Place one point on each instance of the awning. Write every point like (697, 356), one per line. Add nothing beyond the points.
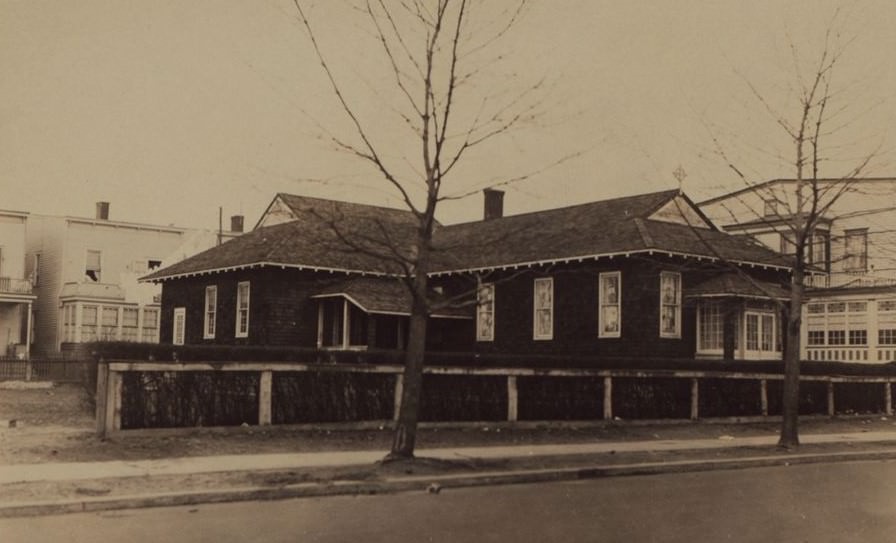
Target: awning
(736, 285)
(387, 296)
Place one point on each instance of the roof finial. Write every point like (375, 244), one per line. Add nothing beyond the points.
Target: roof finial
(680, 174)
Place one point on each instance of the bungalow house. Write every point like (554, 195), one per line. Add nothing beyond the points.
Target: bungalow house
(646, 276)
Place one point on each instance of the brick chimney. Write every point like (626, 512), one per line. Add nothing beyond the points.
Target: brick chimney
(236, 223)
(102, 211)
(494, 204)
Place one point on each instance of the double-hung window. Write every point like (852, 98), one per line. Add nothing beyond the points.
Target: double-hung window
(609, 316)
(543, 309)
(818, 250)
(710, 328)
(856, 250)
(211, 303)
(89, 322)
(93, 266)
(109, 330)
(242, 309)
(180, 326)
(670, 304)
(150, 332)
(130, 319)
(485, 313)
(35, 272)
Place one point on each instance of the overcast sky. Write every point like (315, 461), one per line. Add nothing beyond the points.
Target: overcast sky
(169, 109)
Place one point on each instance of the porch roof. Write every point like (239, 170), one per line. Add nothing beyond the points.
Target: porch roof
(737, 285)
(388, 296)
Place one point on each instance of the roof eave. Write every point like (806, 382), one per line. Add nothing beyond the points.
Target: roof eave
(263, 264)
(598, 256)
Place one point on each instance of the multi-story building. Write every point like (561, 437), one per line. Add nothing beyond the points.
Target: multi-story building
(16, 296)
(86, 272)
(850, 309)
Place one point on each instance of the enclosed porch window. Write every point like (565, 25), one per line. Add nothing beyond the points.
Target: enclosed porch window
(341, 324)
(711, 328)
(755, 329)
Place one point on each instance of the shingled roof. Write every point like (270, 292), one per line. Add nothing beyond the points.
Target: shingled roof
(327, 235)
(302, 205)
(736, 285)
(620, 226)
(341, 236)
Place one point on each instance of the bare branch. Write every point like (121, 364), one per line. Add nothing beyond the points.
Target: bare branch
(371, 155)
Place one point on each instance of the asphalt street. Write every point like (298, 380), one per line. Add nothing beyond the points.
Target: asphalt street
(840, 502)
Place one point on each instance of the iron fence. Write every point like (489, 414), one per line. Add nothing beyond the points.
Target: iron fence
(60, 370)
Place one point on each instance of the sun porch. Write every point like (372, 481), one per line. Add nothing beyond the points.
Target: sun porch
(738, 318)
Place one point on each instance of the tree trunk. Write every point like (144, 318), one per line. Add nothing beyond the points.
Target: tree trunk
(405, 437)
(790, 402)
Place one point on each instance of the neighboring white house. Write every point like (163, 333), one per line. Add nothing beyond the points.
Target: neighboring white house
(88, 270)
(16, 294)
(850, 311)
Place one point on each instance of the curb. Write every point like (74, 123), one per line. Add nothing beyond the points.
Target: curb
(432, 484)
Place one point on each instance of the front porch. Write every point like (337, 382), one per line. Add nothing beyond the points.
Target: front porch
(373, 313)
(15, 317)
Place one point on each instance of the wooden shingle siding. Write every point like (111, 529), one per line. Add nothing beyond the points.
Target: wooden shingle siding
(576, 310)
(282, 312)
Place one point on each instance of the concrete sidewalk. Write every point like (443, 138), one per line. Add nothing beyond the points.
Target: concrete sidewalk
(74, 471)
(58, 488)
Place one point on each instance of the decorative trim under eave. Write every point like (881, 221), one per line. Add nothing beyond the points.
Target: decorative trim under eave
(515, 265)
(280, 265)
(565, 260)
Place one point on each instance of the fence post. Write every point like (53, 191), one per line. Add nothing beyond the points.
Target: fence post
(512, 399)
(29, 369)
(888, 398)
(102, 376)
(399, 389)
(831, 410)
(695, 399)
(264, 398)
(608, 398)
(763, 396)
(113, 402)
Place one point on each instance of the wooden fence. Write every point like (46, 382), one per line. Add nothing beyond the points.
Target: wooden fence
(615, 389)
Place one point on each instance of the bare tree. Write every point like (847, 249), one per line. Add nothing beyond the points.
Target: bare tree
(796, 207)
(433, 50)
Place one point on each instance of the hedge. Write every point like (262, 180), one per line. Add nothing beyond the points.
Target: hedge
(243, 353)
